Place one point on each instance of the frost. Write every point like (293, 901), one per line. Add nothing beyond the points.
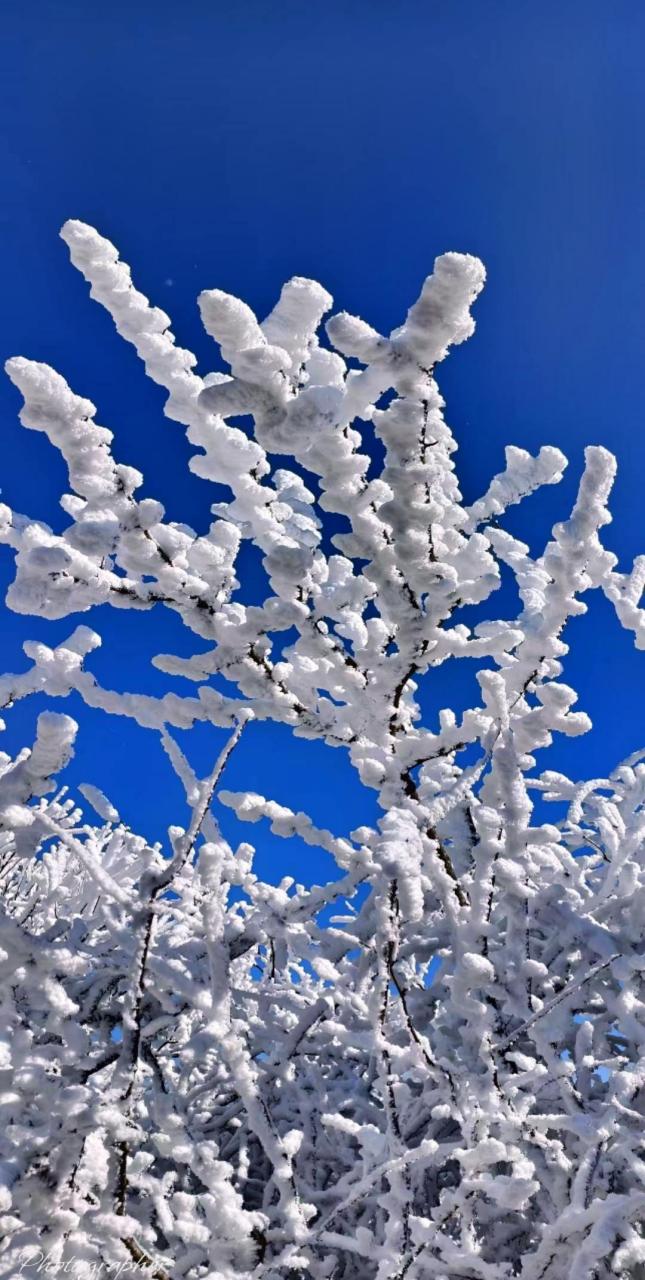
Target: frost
(99, 802)
(435, 1063)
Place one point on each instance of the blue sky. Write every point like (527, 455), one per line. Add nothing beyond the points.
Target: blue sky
(233, 146)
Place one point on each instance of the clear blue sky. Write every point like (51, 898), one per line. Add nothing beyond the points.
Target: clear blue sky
(234, 145)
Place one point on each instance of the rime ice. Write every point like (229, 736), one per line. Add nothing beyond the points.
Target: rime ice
(433, 1065)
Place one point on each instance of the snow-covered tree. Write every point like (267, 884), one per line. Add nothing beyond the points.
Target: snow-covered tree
(204, 1075)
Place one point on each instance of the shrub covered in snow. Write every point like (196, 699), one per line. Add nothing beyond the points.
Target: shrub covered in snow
(203, 1075)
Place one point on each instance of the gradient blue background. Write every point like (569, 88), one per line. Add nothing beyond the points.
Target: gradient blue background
(236, 145)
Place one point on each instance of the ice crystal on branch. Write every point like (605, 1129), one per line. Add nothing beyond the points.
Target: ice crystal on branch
(433, 1065)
